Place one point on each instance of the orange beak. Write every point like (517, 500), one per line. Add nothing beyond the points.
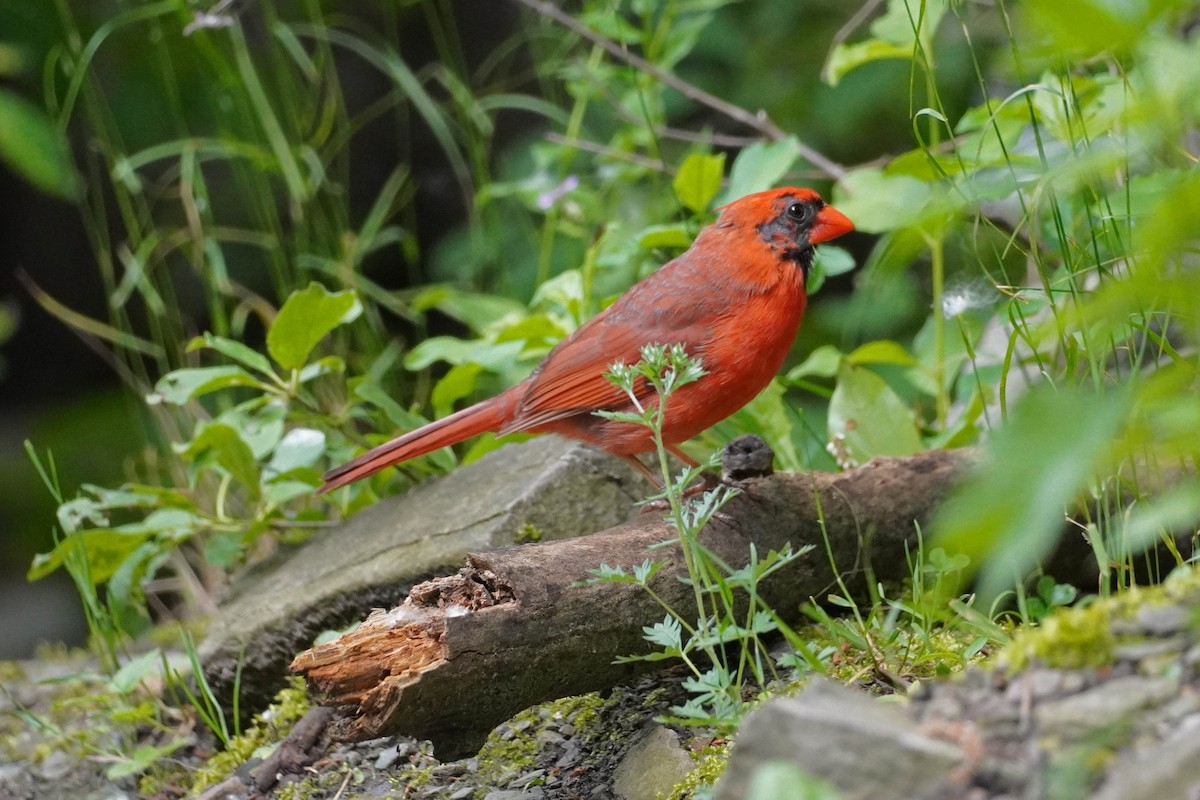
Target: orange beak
(829, 224)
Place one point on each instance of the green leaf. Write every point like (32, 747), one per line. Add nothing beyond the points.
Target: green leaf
(301, 447)
(34, 148)
(699, 180)
(307, 316)
(759, 167)
(182, 385)
(828, 260)
(494, 357)
(246, 356)
(470, 308)
(135, 671)
(103, 550)
(878, 202)
(374, 394)
(869, 417)
(230, 451)
(260, 425)
(846, 57)
(784, 780)
(1007, 515)
(458, 383)
(822, 362)
(881, 352)
(143, 759)
(674, 236)
(224, 549)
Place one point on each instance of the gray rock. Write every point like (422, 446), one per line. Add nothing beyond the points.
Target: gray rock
(652, 767)
(1163, 620)
(844, 737)
(56, 766)
(1165, 769)
(562, 489)
(1101, 706)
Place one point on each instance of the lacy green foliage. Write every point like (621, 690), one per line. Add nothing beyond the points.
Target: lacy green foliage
(721, 638)
(1087, 147)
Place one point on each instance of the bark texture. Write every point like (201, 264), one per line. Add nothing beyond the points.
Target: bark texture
(510, 629)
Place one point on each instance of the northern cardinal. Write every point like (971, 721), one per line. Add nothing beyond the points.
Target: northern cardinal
(734, 300)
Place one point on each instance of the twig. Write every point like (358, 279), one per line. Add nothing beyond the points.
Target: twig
(852, 24)
(593, 147)
(759, 122)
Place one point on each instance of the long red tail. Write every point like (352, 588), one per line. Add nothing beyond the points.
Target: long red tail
(488, 415)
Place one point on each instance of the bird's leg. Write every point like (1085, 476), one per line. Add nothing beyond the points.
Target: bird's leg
(709, 481)
(637, 464)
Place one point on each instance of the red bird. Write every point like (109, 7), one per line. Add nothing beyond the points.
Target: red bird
(734, 300)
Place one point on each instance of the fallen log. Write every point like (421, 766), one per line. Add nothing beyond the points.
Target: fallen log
(465, 652)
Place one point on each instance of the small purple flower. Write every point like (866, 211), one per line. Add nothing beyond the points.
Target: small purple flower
(548, 199)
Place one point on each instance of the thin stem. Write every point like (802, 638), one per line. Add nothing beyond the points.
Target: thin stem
(759, 121)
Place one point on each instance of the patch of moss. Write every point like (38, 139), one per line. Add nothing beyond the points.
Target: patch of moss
(528, 533)
(499, 755)
(1082, 636)
(320, 785)
(269, 727)
(710, 765)
(11, 672)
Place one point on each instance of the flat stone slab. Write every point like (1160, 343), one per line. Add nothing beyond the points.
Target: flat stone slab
(548, 487)
(864, 748)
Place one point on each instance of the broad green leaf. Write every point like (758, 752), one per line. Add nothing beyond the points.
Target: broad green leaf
(307, 316)
(300, 447)
(257, 424)
(495, 357)
(1007, 515)
(759, 167)
(230, 451)
(699, 180)
(373, 393)
(103, 550)
(470, 308)
(846, 57)
(1085, 28)
(881, 352)
(325, 365)
(458, 383)
(878, 202)
(136, 670)
(281, 491)
(868, 416)
(246, 356)
(828, 260)
(822, 362)
(784, 780)
(182, 385)
(225, 549)
(34, 148)
(899, 23)
(673, 236)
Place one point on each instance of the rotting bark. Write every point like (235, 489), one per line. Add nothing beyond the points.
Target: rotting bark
(465, 652)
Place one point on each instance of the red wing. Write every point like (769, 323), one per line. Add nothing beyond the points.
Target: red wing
(571, 380)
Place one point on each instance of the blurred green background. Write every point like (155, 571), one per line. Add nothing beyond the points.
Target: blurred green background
(481, 172)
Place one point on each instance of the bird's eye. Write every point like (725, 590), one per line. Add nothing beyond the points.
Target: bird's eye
(801, 212)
